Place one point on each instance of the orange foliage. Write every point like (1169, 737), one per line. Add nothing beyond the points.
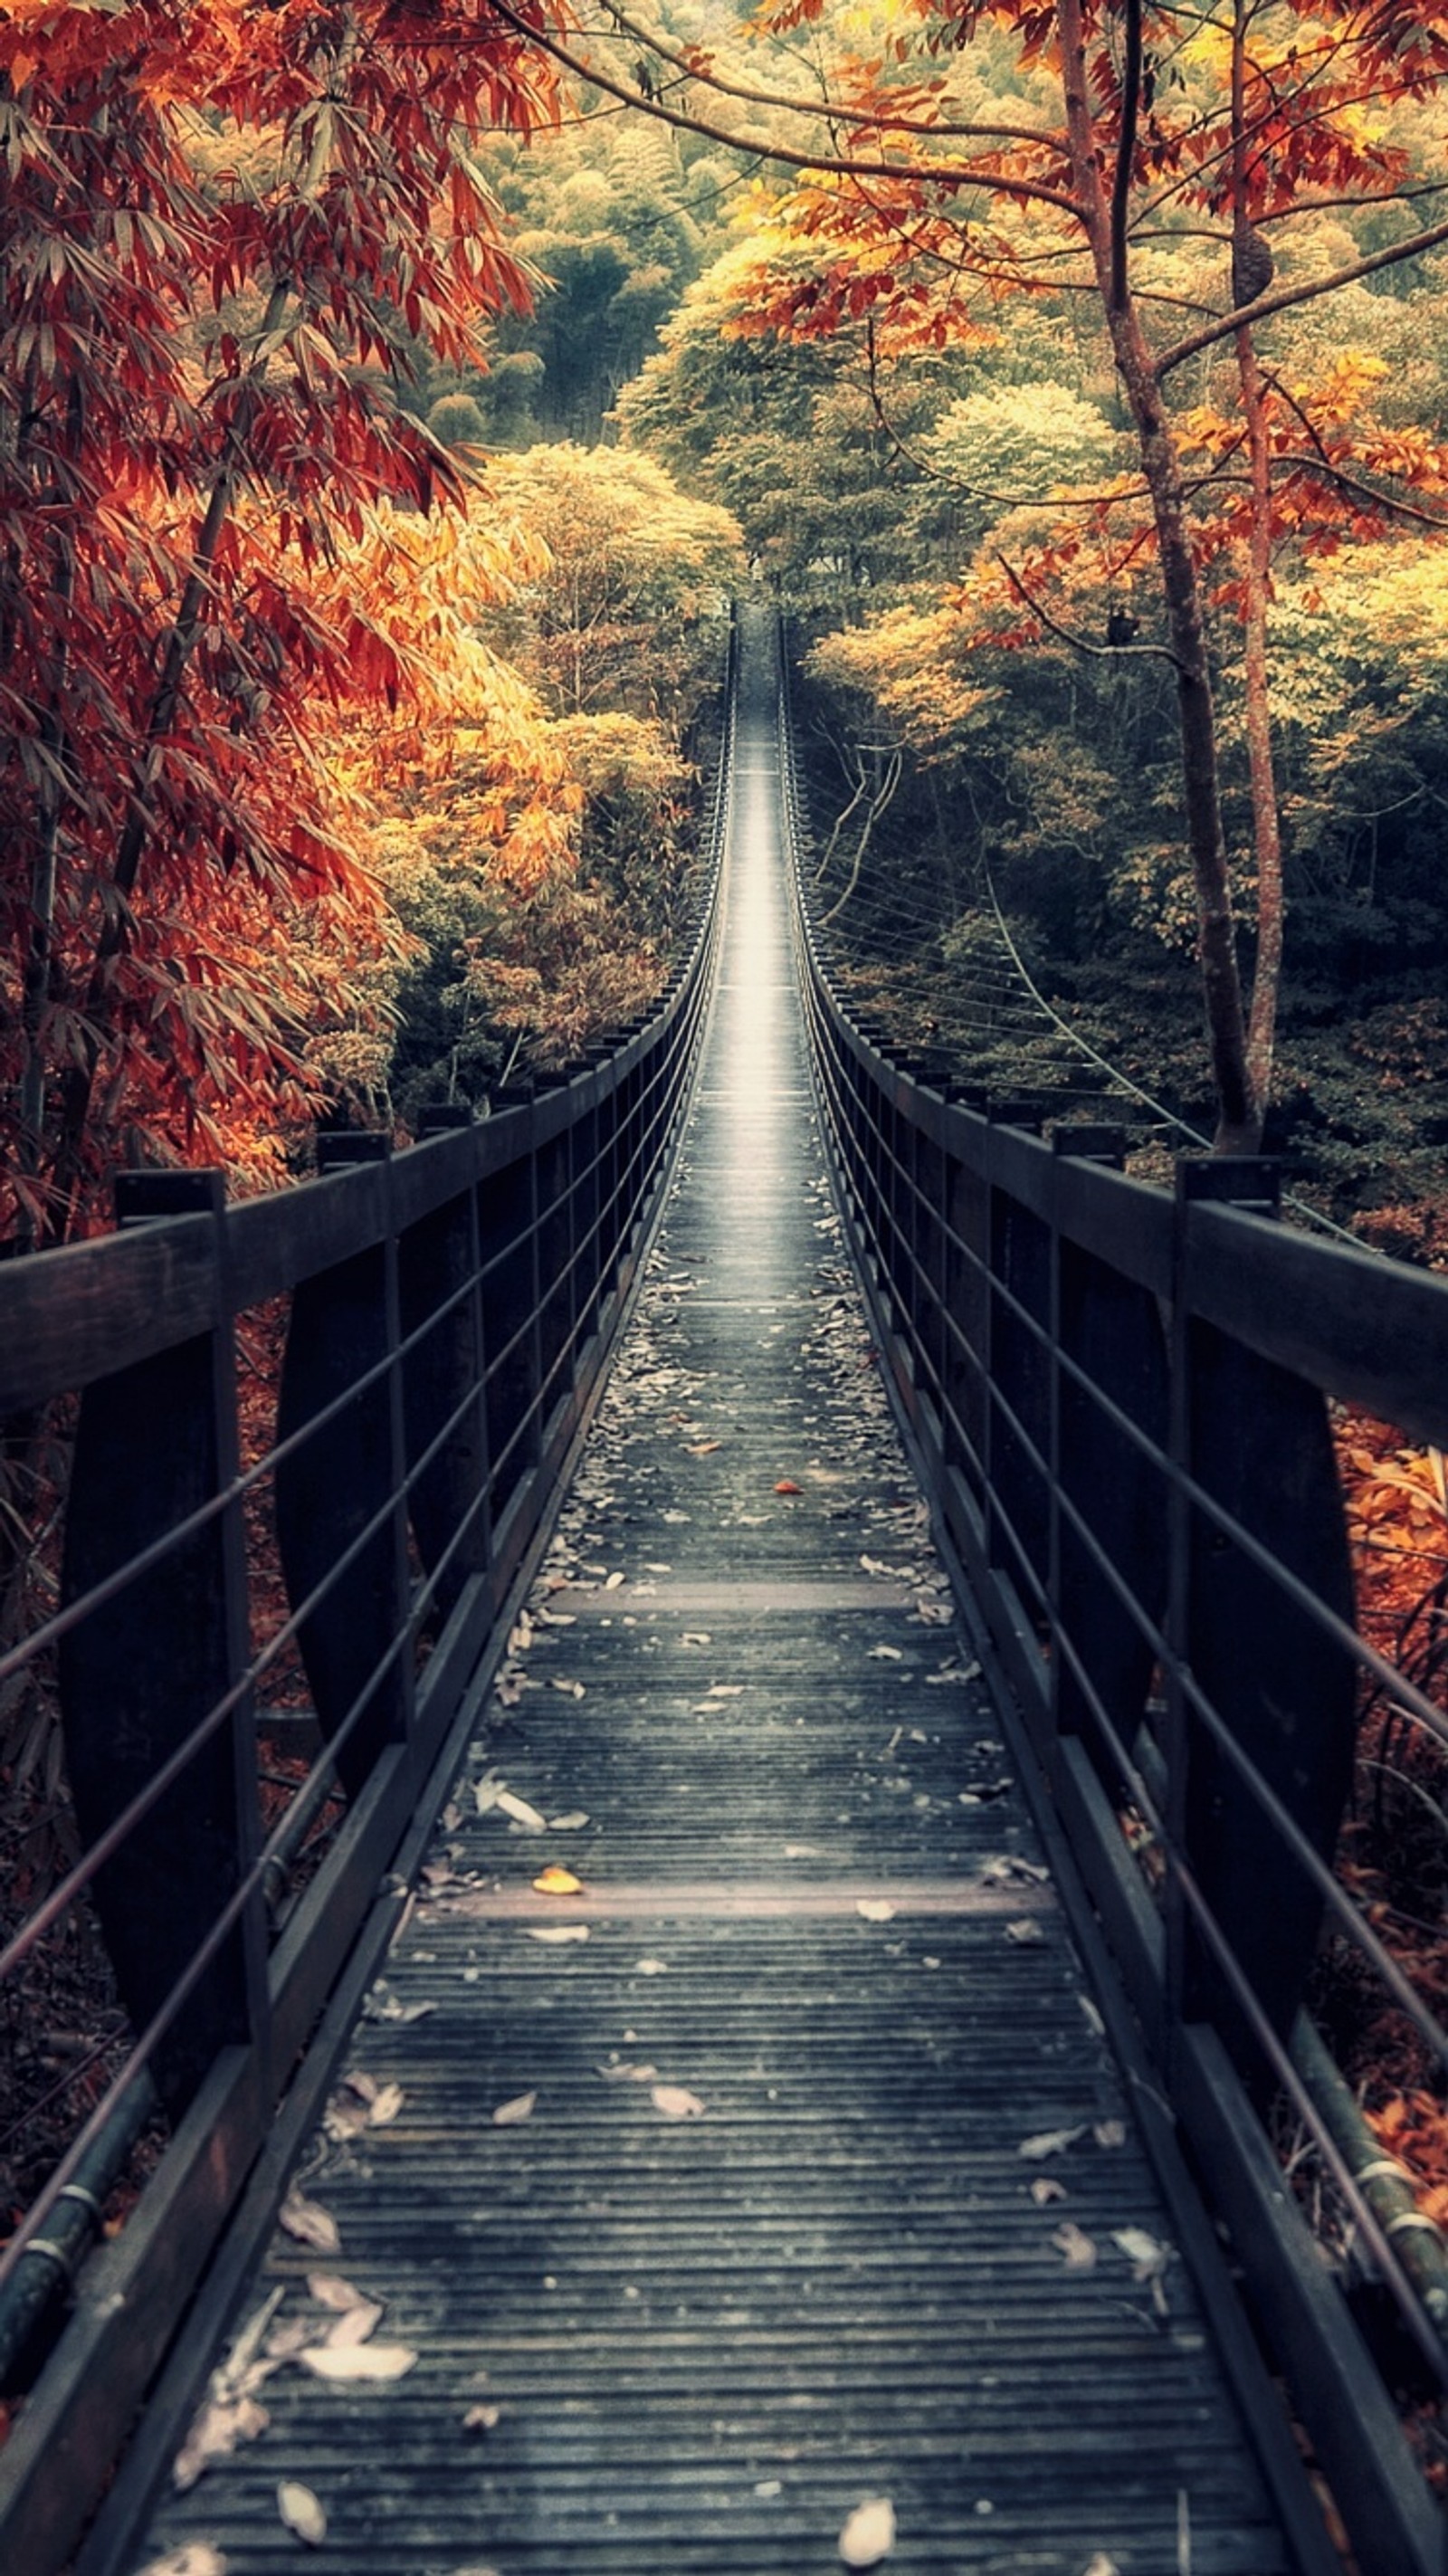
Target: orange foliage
(219, 228)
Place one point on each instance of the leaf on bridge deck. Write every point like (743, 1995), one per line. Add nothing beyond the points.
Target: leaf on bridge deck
(193, 2558)
(330, 2291)
(869, 2534)
(215, 2433)
(557, 1932)
(310, 2224)
(375, 2361)
(1078, 2248)
(509, 2115)
(557, 1881)
(1050, 2142)
(572, 1823)
(676, 2103)
(875, 1909)
(302, 2512)
(1045, 2189)
(353, 2326)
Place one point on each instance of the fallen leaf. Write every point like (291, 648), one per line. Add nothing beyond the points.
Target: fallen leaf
(1101, 2565)
(310, 2224)
(302, 2512)
(1026, 1930)
(338, 2295)
(358, 2361)
(786, 1485)
(1045, 2189)
(885, 1654)
(619, 2071)
(557, 1932)
(383, 2005)
(385, 2105)
(556, 1881)
(1076, 2245)
(572, 1823)
(482, 2419)
(193, 2558)
(613, 1582)
(700, 1448)
(354, 2325)
(869, 2535)
(801, 1851)
(215, 2432)
(676, 2103)
(652, 1968)
(520, 1811)
(696, 1637)
(1146, 2254)
(570, 1690)
(1050, 2142)
(1110, 2133)
(509, 2114)
(285, 2341)
(875, 1909)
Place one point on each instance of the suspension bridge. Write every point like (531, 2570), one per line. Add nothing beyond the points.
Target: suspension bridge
(754, 2036)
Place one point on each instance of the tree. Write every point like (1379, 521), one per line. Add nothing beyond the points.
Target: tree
(628, 609)
(923, 200)
(221, 229)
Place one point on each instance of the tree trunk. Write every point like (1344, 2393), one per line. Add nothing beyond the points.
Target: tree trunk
(1239, 1122)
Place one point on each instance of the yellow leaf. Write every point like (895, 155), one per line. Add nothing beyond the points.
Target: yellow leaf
(554, 1881)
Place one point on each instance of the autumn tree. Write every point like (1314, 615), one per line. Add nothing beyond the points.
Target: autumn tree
(991, 151)
(222, 229)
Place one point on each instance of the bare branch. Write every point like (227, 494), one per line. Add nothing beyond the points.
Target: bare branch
(939, 174)
(1125, 152)
(689, 66)
(1284, 299)
(1080, 643)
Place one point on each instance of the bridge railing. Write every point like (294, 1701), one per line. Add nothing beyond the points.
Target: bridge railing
(312, 1441)
(1123, 1401)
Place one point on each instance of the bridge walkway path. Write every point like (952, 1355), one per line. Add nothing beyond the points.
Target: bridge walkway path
(782, 2167)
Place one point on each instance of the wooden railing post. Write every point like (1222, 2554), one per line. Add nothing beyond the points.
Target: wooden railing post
(345, 1322)
(1109, 1327)
(439, 1267)
(1255, 1438)
(155, 1443)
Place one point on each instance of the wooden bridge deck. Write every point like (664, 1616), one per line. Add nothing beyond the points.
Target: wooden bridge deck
(827, 2188)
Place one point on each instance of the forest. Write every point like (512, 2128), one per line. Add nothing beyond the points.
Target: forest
(397, 400)
(394, 397)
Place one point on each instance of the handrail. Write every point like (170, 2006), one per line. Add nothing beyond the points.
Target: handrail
(1118, 1400)
(352, 1518)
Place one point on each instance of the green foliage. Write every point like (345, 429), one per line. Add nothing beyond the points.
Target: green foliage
(457, 420)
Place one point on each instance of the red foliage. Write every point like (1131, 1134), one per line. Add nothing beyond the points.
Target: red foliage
(220, 226)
